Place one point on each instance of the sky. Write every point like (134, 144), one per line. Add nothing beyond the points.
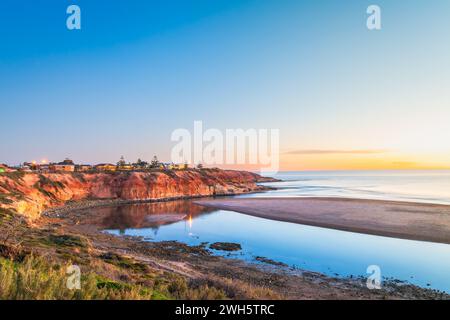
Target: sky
(343, 97)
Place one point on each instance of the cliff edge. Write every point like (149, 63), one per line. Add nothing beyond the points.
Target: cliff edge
(30, 194)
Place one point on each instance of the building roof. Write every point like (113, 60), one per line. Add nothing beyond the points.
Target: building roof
(66, 162)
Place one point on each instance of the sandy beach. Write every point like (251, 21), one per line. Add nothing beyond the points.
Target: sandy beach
(406, 220)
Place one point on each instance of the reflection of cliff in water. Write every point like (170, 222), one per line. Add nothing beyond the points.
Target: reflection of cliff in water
(149, 215)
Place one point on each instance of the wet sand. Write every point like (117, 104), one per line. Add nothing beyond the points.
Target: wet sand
(406, 220)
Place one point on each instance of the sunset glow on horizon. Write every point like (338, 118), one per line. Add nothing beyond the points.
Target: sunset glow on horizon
(342, 97)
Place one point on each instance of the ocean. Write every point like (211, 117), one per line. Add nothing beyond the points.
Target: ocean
(427, 186)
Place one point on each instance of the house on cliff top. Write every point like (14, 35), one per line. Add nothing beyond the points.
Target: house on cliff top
(66, 166)
(126, 167)
(173, 166)
(105, 167)
(83, 167)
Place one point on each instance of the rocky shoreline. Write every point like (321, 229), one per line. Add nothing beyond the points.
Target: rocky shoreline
(200, 262)
(72, 206)
(284, 281)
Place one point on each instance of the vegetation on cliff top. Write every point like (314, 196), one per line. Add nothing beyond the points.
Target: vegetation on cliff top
(15, 175)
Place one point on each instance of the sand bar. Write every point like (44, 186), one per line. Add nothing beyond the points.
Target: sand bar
(406, 220)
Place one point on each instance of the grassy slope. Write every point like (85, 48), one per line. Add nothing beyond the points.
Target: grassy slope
(36, 278)
(33, 265)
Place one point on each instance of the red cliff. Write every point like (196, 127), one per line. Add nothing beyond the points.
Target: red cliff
(32, 193)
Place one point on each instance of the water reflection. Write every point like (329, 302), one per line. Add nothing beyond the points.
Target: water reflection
(328, 251)
(149, 215)
(317, 249)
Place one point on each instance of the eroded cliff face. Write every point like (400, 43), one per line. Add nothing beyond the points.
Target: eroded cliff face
(31, 193)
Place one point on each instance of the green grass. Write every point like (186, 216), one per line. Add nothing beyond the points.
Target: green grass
(79, 176)
(4, 213)
(4, 199)
(24, 275)
(123, 262)
(66, 240)
(15, 175)
(36, 278)
(46, 182)
(180, 288)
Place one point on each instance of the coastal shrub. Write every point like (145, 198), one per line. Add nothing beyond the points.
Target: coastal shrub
(4, 199)
(34, 278)
(7, 198)
(68, 240)
(15, 175)
(123, 262)
(79, 176)
(4, 185)
(38, 279)
(236, 289)
(180, 288)
(14, 253)
(46, 182)
(12, 229)
(5, 213)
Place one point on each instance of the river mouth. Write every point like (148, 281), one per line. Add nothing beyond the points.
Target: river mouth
(331, 252)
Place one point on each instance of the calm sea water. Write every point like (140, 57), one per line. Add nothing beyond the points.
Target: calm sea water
(429, 186)
(324, 250)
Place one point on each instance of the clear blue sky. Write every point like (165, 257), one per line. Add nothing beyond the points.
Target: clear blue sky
(140, 69)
